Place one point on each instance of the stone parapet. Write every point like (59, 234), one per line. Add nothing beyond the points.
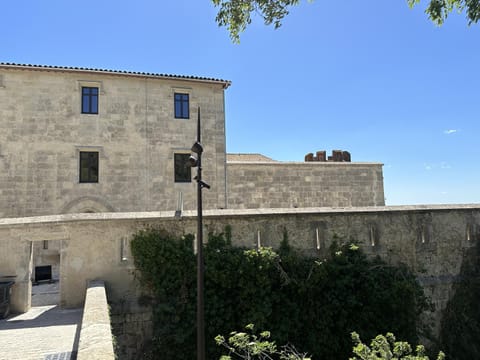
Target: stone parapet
(96, 341)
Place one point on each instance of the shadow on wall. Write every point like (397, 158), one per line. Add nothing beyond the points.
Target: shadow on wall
(460, 329)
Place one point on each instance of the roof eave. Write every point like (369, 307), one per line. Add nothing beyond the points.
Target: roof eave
(225, 83)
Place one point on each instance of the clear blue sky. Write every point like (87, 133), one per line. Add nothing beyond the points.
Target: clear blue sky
(372, 77)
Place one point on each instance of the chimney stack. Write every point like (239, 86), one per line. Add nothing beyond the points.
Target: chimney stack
(337, 156)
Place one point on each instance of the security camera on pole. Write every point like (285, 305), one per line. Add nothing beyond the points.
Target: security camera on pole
(195, 160)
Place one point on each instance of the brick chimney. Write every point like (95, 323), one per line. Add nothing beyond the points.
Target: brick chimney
(337, 156)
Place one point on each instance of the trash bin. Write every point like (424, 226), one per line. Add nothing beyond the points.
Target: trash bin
(5, 292)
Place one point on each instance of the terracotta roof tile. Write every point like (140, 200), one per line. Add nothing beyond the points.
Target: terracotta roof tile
(226, 83)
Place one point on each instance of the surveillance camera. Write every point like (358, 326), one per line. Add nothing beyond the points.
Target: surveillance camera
(192, 161)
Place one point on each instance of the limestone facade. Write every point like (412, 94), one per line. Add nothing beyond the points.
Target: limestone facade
(130, 126)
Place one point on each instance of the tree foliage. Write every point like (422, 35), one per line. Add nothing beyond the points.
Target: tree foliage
(438, 10)
(236, 15)
(310, 302)
(247, 345)
(385, 347)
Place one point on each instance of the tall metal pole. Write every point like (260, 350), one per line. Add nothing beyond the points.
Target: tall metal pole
(200, 262)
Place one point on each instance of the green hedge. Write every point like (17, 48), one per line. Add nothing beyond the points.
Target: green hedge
(310, 302)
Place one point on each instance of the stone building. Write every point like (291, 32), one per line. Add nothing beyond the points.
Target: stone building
(87, 140)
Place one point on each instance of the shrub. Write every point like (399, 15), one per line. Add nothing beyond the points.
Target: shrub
(312, 303)
(385, 347)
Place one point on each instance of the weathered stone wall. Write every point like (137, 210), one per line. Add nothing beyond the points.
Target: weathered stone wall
(252, 185)
(133, 330)
(431, 240)
(135, 133)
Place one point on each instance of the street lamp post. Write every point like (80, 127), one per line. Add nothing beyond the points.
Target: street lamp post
(195, 160)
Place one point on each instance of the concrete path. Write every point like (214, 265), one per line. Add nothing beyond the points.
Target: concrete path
(43, 333)
(46, 294)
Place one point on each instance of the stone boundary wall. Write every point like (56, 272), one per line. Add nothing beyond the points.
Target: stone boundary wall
(252, 185)
(96, 341)
(132, 327)
(431, 240)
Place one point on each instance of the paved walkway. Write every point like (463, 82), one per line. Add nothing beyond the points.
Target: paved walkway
(46, 294)
(44, 333)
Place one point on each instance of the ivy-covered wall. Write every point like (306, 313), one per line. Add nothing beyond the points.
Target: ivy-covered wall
(430, 240)
(314, 303)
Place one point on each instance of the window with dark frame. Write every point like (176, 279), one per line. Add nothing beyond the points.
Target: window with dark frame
(89, 100)
(88, 167)
(183, 172)
(182, 107)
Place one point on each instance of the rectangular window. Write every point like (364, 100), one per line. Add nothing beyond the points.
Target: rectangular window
(182, 106)
(88, 167)
(89, 100)
(183, 172)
